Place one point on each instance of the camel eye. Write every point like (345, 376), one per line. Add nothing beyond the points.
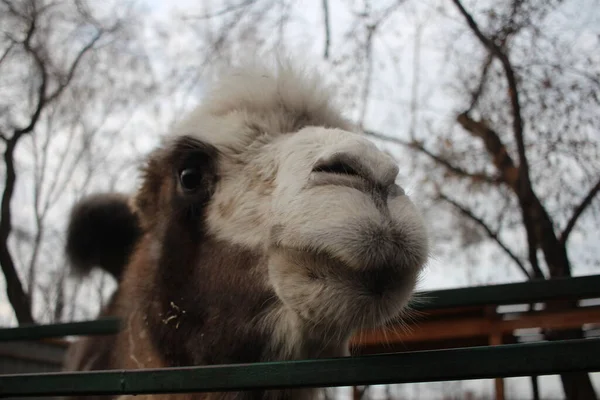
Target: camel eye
(190, 179)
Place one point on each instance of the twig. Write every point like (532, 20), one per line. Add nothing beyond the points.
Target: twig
(578, 211)
(71, 73)
(479, 90)
(327, 28)
(221, 12)
(493, 235)
(476, 176)
(367, 82)
(8, 49)
(41, 89)
(414, 100)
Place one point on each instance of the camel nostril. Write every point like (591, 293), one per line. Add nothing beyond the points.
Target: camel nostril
(336, 167)
(351, 167)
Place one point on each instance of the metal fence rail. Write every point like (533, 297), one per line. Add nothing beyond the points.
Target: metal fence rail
(540, 358)
(513, 293)
(523, 359)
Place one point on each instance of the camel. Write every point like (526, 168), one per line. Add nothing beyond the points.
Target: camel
(266, 227)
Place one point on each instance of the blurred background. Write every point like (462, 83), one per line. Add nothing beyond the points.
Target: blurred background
(491, 109)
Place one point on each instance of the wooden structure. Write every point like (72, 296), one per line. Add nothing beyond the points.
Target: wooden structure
(475, 326)
(498, 318)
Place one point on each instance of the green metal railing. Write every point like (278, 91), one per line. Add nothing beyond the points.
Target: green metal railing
(440, 365)
(524, 359)
(582, 287)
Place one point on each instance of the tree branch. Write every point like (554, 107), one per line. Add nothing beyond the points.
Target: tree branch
(327, 28)
(493, 235)
(482, 79)
(494, 146)
(44, 99)
(367, 82)
(222, 12)
(414, 95)
(578, 211)
(475, 176)
(8, 49)
(71, 72)
(513, 92)
(41, 89)
(532, 210)
(13, 10)
(14, 289)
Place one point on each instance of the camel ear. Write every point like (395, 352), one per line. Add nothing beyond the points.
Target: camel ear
(177, 177)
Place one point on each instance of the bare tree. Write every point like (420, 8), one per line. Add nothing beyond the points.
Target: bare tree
(509, 155)
(69, 73)
(531, 109)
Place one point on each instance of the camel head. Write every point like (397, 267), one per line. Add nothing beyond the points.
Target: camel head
(268, 165)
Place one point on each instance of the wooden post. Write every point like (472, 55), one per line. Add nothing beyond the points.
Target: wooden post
(356, 393)
(495, 339)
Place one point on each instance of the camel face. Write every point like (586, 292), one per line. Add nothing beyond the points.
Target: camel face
(344, 243)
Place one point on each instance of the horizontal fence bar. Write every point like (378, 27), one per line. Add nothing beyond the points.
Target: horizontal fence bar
(101, 326)
(542, 358)
(512, 293)
(534, 291)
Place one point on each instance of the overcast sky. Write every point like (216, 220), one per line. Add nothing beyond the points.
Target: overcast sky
(443, 271)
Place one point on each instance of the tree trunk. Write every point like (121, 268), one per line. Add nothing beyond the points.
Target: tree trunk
(14, 289)
(535, 388)
(577, 385)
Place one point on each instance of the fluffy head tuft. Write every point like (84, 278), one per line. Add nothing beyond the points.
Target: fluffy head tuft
(248, 101)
